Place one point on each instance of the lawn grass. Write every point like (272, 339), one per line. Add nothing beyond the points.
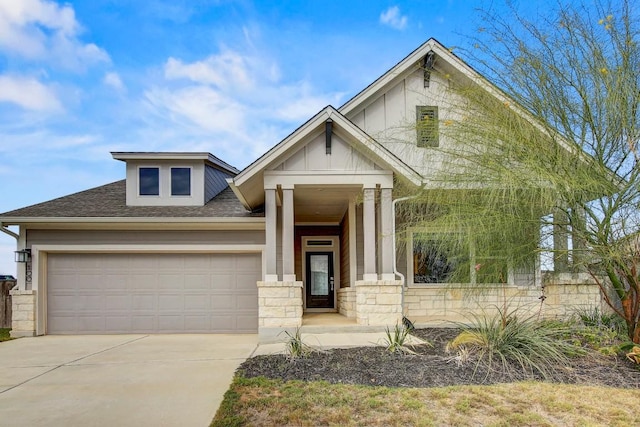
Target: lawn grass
(4, 334)
(259, 401)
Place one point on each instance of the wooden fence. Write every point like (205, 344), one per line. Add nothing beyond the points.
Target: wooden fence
(5, 302)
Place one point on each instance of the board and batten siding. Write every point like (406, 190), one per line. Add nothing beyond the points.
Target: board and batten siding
(390, 118)
(313, 156)
(123, 237)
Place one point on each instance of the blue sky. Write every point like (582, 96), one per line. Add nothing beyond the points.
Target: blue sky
(79, 79)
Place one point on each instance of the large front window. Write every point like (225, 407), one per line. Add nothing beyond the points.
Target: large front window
(450, 258)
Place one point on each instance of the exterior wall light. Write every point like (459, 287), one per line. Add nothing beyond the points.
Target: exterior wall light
(23, 255)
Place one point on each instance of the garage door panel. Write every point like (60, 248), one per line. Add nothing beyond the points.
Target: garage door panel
(147, 293)
(197, 281)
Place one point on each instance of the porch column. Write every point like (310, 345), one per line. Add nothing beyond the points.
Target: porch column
(369, 231)
(386, 235)
(270, 213)
(288, 265)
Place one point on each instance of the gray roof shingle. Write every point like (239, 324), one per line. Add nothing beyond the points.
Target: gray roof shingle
(110, 201)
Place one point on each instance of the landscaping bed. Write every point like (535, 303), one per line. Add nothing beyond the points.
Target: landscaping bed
(432, 366)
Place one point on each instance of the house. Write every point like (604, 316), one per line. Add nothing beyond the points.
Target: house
(187, 243)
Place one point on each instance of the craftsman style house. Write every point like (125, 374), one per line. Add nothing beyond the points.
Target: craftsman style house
(187, 243)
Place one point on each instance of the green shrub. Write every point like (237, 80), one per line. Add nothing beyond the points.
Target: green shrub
(294, 346)
(506, 340)
(594, 317)
(396, 341)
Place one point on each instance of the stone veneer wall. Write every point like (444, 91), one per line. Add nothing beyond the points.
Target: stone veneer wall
(279, 304)
(378, 302)
(23, 318)
(347, 302)
(564, 294)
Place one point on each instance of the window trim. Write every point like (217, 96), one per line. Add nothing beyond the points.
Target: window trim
(433, 140)
(171, 168)
(139, 181)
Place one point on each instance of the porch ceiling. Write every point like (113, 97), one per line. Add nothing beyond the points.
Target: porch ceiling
(315, 203)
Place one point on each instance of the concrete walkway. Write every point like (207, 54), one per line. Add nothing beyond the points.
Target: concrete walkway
(117, 380)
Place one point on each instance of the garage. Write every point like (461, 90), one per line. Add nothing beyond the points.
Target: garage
(104, 293)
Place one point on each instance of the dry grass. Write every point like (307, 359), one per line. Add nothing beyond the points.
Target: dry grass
(262, 402)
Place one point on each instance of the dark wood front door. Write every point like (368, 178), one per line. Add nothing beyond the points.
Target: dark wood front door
(320, 283)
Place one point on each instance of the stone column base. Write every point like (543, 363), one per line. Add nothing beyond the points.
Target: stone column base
(379, 302)
(279, 309)
(23, 318)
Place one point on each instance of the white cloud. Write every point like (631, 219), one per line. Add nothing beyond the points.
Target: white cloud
(28, 93)
(113, 79)
(393, 18)
(44, 30)
(234, 103)
(226, 69)
(203, 106)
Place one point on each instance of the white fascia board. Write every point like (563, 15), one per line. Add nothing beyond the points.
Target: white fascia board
(160, 156)
(238, 194)
(369, 179)
(207, 157)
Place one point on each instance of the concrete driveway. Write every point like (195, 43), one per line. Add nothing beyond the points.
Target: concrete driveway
(123, 380)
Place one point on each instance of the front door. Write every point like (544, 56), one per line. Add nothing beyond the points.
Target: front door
(320, 279)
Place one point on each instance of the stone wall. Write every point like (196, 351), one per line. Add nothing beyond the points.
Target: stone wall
(23, 322)
(347, 302)
(378, 302)
(564, 294)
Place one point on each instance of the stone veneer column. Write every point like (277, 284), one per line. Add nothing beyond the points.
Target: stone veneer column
(379, 302)
(23, 319)
(279, 308)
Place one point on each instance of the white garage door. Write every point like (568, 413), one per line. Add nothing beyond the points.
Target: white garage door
(156, 293)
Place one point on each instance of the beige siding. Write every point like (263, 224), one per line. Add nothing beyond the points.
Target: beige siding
(115, 237)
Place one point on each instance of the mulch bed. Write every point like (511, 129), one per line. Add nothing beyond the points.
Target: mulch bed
(432, 366)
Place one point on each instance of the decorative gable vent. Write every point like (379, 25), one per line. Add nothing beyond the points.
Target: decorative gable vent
(427, 126)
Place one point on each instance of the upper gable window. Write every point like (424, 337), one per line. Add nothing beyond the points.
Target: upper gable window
(149, 181)
(427, 125)
(180, 181)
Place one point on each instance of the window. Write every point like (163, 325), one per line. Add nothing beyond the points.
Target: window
(427, 126)
(180, 181)
(149, 181)
(440, 258)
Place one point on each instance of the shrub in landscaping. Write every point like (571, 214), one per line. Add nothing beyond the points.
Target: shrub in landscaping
(508, 341)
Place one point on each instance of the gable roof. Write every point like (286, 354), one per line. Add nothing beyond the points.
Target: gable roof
(108, 203)
(364, 143)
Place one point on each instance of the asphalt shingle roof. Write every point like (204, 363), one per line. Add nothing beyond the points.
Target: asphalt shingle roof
(110, 201)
